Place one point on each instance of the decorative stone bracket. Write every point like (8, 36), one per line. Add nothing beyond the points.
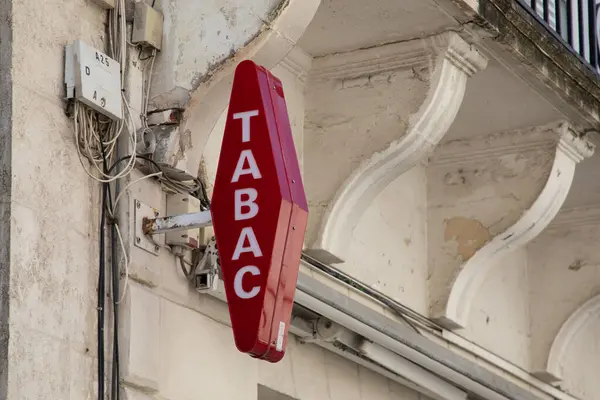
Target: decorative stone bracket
(454, 61)
(570, 150)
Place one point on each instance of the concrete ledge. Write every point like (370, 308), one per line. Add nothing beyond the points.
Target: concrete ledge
(545, 55)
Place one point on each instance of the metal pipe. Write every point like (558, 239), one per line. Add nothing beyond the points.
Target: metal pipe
(419, 375)
(181, 222)
(390, 334)
(369, 364)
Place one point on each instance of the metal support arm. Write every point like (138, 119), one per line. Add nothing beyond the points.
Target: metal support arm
(181, 222)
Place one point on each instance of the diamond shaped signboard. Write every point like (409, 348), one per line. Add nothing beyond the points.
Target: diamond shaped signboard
(259, 213)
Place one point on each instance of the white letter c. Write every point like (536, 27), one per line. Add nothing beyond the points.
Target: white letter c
(237, 282)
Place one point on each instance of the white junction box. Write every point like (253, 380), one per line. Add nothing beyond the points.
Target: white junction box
(178, 204)
(147, 26)
(94, 79)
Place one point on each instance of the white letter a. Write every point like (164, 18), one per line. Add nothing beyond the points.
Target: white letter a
(252, 167)
(253, 247)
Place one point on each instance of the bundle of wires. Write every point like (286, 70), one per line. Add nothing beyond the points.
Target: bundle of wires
(97, 140)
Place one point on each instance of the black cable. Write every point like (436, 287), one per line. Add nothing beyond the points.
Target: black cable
(101, 293)
(107, 205)
(140, 55)
(204, 198)
(115, 275)
(115, 291)
(340, 276)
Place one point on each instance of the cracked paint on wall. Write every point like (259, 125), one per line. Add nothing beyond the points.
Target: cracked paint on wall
(469, 234)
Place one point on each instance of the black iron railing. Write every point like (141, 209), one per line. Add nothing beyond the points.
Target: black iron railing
(575, 22)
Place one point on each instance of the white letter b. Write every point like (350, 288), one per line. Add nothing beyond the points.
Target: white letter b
(250, 203)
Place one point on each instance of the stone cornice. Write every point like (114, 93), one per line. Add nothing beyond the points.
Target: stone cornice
(575, 218)
(298, 63)
(520, 141)
(413, 54)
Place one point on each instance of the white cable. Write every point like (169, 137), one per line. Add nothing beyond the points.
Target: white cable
(148, 84)
(91, 133)
(97, 137)
(126, 262)
(86, 135)
(114, 209)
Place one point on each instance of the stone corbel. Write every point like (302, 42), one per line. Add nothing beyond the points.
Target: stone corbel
(208, 102)
(454, 61)
(570, 150)
(572, 326)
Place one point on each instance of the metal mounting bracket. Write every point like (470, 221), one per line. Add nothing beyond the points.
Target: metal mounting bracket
(154, 226)
(143, 212)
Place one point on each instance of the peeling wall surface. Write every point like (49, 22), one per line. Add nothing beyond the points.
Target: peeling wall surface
(443, 171)
(473, 199)
(198, 37)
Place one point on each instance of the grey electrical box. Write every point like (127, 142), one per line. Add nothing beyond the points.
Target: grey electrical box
(147, 26)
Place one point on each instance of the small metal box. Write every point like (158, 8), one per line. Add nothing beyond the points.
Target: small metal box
(147, 26)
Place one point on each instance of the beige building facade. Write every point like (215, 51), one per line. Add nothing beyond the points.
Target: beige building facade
(448, 154)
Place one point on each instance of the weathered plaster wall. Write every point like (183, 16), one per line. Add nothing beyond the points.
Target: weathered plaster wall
(199, 35)
(54, 212)
(389, 247)
(6, 109)
(477, 188)
(500, 320)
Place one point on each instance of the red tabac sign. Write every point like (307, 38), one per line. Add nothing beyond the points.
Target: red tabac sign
(259, 213)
